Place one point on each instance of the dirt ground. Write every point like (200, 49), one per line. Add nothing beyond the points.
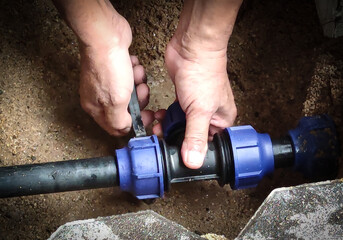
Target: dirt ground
(280, 66)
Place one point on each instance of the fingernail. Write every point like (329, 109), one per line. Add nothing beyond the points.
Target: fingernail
(194, 158)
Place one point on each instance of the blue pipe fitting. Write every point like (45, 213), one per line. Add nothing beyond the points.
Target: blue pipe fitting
(175, 119)
(315, 147)
(252, 154)
(140, 168)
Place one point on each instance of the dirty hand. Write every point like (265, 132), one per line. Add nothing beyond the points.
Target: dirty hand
(196, 60)
(204, 93)
(106, 83)
(108, 72)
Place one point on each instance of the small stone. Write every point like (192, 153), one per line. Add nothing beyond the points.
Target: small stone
(33, 158)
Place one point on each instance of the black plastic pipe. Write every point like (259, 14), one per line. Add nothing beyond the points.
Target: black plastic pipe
(54, 177)
(283, 152)
(101, 172)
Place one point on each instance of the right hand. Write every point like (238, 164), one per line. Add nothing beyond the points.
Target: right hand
(108, 74)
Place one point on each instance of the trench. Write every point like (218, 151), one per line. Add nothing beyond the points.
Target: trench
(280, 66)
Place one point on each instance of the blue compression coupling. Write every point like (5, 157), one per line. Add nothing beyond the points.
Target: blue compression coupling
(316, 147)
(140, 168)
(252, 154)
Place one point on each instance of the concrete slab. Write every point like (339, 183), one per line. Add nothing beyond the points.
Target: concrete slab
(140, 225)
(309, 211)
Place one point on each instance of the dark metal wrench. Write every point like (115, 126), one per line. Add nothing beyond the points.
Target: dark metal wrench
(135, 112)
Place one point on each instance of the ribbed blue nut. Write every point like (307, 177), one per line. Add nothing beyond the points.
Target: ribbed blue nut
(316, 147)
(140, 168)
(252, 154)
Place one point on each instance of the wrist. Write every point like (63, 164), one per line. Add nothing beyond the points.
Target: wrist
(206, 25)
(96, 23)
(105, 35)
(204, 39)
(196, 47)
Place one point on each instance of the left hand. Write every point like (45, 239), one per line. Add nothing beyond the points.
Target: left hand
(196, 61)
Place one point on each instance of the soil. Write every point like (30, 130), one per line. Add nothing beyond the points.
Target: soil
(280, 66)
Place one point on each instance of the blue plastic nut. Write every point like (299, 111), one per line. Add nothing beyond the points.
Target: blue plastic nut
(140, 168)
(175, 118)
(316, 147)
(252, 155)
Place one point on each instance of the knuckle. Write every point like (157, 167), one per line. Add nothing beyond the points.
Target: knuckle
(121, 126)
(117, 124)
(231, 116)
(118, 98)
(117, 133)
(112, 98)
(118, 130)
(87, 106)
(234, 112)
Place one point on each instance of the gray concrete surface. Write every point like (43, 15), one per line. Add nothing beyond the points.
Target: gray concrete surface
(309, 211)
(140, 225)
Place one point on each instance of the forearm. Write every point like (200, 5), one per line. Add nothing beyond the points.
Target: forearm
(95, 22)
(207, 23)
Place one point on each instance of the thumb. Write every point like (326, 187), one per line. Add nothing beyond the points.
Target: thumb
(194, 145)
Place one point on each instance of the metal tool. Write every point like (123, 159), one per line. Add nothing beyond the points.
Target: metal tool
(137, 124)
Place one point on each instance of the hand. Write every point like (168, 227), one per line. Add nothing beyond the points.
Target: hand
(204, 93)
(106, 84)
(196, 61)
(108, 72)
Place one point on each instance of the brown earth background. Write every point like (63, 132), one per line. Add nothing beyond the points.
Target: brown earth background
(281, 68)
